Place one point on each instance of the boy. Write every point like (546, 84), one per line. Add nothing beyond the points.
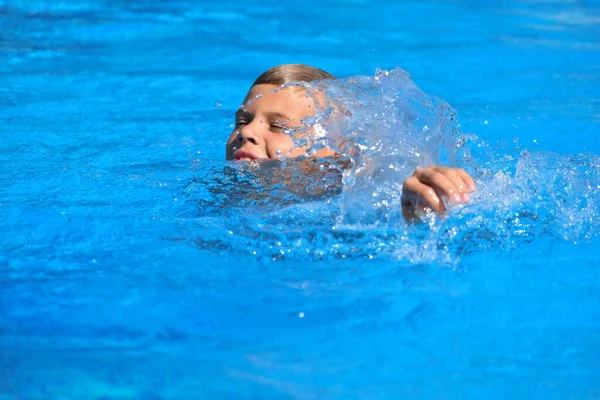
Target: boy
(270, 112)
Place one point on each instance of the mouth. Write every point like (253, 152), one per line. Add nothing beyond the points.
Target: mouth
(243, 155)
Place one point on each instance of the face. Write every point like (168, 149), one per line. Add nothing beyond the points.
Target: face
(264, 122)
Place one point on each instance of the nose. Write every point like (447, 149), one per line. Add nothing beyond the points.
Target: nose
(247, 134)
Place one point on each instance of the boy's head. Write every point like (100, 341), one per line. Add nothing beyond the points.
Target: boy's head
(270, 112)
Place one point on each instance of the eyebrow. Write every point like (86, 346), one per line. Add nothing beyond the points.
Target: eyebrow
(242, 112)
(277, 115)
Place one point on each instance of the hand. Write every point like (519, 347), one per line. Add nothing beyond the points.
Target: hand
(429, 186)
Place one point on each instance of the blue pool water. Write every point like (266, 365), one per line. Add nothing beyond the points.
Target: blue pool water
(128, 271)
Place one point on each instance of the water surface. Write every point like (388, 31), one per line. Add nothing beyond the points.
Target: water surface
(125, 273)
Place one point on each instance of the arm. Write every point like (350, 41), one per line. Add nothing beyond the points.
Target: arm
(426, 188)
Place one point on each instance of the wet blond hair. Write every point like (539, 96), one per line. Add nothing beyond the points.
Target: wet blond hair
(286, 73)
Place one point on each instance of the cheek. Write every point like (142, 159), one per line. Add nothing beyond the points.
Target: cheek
(232, 136)
(279, 146)
(230, 146)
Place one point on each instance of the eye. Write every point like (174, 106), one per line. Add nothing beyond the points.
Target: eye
(279, 125)
(243, 118)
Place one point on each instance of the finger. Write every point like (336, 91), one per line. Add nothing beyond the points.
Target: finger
(440, 183)
(453, 176)
(414, 192)
(456, 176)
(467, 179)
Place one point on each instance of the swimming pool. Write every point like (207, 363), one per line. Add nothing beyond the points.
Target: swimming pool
(123, 274)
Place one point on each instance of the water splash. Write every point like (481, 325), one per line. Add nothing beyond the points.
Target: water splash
(384, 127)
(387, 127)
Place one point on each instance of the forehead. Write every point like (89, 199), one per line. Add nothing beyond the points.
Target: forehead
(291, 100)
